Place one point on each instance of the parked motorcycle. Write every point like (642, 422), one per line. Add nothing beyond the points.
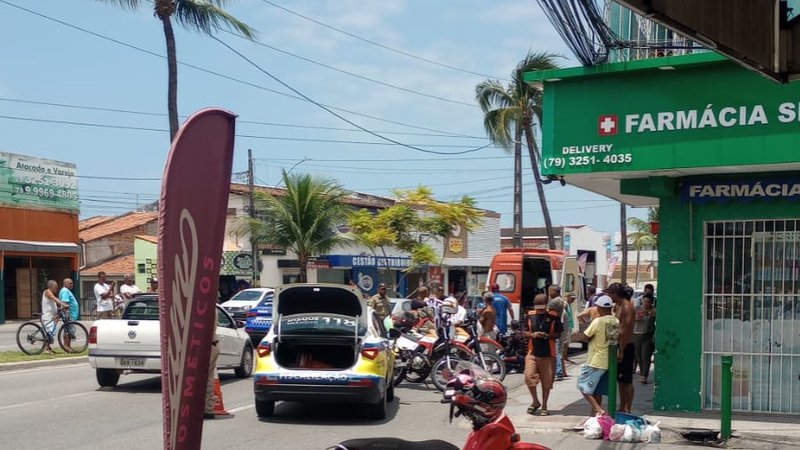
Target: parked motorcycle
(490, 361)
(416, 353)
(472, 393)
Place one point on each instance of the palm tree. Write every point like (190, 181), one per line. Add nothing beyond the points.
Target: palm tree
(643, 237)
(518, 107)
(303, 220)
(205, 16)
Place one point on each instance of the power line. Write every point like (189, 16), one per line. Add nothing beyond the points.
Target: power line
(378, 44)
(217, 74)
(460, 158)
(330, 111)
(254, 122)
(355, 75)
(270, 138)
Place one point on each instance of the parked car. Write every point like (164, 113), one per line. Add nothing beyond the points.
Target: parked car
(242, 301)
(259, 319)
(326, 345)
(133, 344)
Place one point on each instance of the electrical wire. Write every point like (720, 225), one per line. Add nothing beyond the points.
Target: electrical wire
(355, 75)
(378, 44)
(252, 136)
(217, 74)
(330, 111)
(254, 122)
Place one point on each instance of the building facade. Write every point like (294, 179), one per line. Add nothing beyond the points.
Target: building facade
(38, 230)
(647, 39)
(715, 147)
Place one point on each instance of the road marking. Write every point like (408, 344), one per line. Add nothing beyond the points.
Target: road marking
(241, 408)
(48, 400)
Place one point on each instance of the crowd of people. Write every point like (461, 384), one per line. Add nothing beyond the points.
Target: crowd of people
(537, 343)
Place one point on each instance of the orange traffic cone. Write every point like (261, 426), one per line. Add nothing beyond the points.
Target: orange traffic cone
(219, 408)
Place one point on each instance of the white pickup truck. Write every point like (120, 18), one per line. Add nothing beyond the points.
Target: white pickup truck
(133, 343)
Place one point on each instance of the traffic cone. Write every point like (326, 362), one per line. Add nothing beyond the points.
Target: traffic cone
(219, 407)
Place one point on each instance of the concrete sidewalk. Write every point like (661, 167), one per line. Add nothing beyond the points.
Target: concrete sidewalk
(567, 409)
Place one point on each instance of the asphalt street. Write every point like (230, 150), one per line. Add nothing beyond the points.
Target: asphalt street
(62, 407)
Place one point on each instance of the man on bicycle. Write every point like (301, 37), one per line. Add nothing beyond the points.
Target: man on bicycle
(66, 296)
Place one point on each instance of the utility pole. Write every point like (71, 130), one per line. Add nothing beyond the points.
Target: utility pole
(253, 250)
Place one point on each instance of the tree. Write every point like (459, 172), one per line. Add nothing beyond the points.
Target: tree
(518, 107)
(415, 218)
(643, 237)
(303, 220)
(205, 16)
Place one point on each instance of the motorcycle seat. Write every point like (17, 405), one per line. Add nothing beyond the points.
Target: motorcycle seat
(393, 444)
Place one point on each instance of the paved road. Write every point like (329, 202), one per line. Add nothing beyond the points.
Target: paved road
(61, 407)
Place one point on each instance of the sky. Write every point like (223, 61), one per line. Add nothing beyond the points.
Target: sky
(84, 81)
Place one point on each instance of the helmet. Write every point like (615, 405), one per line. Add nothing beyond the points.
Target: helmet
(484, 402)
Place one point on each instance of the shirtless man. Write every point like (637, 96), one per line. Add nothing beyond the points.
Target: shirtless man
(626, 313)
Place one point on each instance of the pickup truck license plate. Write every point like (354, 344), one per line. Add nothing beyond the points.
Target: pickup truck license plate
(131, 362)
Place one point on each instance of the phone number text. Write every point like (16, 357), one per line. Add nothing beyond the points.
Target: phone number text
(563, 162)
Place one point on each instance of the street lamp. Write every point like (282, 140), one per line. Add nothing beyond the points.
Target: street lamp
(291, 169)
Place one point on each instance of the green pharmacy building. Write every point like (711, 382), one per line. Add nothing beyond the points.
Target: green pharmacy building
(717, 148)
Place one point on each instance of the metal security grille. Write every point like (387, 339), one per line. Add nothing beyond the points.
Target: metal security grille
(752, 311)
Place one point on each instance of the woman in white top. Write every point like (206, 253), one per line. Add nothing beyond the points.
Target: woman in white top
(50, 305)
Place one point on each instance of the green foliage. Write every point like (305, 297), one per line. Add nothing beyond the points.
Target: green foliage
(303, 220)
(642, 238)
(506, 107)
(14, 356)
(415, 216)
(205, 16)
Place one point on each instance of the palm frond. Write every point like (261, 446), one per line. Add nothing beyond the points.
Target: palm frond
(533, 61)
(491, 94)
(208, 16)
(130, 5)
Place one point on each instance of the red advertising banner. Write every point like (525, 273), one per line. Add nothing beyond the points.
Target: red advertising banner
(191, 229)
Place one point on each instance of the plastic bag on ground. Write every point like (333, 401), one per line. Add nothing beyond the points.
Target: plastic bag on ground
(592, 429)
(651, 434)
(616, 433)
(631, 433)
(606, 422)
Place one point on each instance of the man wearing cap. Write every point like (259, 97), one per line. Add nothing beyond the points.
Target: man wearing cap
(543, 329)
(380, 302)
(602, 332)
(502, 305)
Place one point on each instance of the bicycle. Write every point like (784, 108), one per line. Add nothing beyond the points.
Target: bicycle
(33, 337)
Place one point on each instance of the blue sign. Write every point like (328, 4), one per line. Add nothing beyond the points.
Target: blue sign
(383, 262)
(747, 190)
(366, 279)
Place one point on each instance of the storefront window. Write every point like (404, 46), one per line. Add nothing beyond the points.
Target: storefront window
(752, 311)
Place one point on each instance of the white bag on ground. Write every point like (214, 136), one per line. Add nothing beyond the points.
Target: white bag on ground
(617, 431)
(631, 434)
(651, 434)
(592, 429)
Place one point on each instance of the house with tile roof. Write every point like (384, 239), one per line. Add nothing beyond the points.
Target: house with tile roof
(107, 245)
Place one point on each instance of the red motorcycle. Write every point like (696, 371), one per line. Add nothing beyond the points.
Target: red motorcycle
(471, 393)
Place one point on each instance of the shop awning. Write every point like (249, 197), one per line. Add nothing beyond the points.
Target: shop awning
(8, 245)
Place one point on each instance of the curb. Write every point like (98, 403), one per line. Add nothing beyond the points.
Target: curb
(44, 363)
